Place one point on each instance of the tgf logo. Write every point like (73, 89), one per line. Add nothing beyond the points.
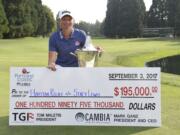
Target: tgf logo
(23, 116)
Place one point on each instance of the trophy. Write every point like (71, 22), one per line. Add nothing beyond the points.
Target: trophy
(88, 55)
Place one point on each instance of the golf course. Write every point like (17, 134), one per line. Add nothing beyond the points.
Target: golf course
(33, 52)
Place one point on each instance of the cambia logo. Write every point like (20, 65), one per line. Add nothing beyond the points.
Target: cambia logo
(93, 117)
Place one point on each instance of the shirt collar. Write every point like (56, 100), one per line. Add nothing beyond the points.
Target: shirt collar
(61, 34)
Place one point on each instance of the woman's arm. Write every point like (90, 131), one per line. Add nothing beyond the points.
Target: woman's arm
(51, 60)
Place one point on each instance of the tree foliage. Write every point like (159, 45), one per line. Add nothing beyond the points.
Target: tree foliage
(27, 18)
(124, 18)
(3, 21)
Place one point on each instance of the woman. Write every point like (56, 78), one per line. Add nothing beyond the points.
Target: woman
(64, 42)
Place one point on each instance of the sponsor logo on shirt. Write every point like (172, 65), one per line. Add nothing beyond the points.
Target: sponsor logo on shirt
(77, 43)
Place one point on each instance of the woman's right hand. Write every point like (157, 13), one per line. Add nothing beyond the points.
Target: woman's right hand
(51, 61)
(52, 66)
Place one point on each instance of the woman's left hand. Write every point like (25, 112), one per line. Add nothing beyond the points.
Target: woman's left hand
(99, 49)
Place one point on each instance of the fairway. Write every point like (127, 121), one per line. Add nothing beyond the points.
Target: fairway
(33, 52)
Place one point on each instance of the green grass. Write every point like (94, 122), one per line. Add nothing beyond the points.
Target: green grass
(117, 53)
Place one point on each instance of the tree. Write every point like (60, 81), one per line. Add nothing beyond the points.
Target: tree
(47, 22)
(28, 18)
(36, 12)
(38, 17)
(42, 18)
(172, 10)
(158, 14)
(177, 19)
(18, 15)
(93, 29)
(111, 21)
(173, 7)
(124, 18)
(3, 21)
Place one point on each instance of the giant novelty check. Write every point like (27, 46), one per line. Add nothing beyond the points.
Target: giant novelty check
(85, 96)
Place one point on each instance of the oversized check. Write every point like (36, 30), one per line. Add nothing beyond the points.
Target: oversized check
(85, 96)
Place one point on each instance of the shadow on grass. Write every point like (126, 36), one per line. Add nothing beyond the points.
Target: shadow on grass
(66, 130)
